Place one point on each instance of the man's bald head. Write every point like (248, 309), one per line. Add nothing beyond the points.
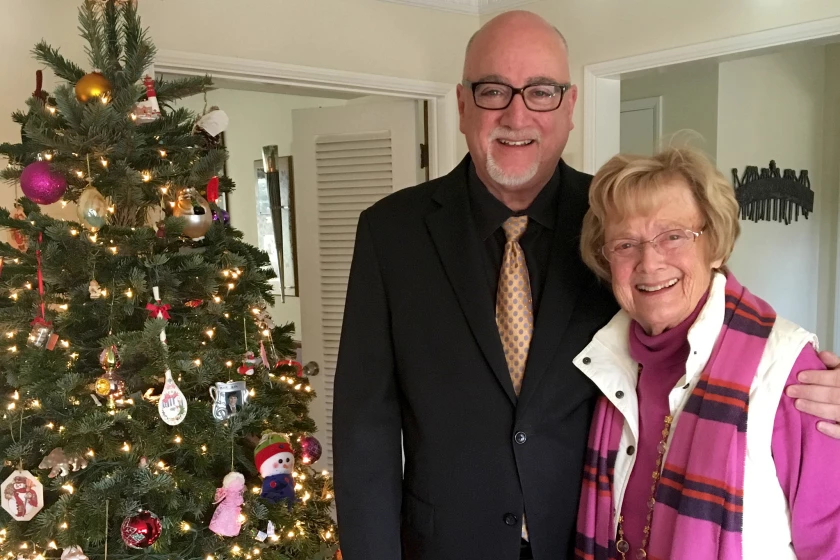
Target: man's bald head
(512, 22)
(516, 149)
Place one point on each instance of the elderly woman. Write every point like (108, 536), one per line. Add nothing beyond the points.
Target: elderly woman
(693, 454)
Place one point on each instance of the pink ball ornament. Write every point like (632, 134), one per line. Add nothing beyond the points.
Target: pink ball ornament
(41, 184)
(310, 449)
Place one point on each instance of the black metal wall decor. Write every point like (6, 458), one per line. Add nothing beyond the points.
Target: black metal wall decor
(772, 196)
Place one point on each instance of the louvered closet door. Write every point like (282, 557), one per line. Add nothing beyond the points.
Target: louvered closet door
(345, 159)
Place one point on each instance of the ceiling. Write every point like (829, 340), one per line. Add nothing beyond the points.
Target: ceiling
(476, 7)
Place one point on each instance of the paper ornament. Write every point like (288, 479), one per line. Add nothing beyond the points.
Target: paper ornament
(214, 122)
(23, 495)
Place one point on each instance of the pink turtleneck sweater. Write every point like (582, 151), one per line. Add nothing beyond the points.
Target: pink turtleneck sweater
(806, 461)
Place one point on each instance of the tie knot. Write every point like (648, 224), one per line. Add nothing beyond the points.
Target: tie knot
(514, 227)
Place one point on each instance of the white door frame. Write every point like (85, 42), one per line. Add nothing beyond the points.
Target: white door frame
(644, 104)
(602, 95)
(443, 109)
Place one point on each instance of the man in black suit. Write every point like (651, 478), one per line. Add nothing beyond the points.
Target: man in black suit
(494, 447)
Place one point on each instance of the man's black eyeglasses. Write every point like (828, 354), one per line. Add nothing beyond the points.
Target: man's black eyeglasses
(495, 96)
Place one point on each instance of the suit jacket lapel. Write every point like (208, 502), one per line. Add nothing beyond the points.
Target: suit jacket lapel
(563, 282)
(460, 249)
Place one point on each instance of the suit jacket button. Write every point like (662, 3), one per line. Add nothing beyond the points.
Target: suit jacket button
(520, 438)
(510, 519)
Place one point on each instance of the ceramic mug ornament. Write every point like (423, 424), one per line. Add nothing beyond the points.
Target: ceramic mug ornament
(228, 398)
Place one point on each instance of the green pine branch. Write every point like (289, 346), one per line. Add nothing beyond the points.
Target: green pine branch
(139, 52)
(170, 91)
(112, 37)
(61, 67)
(92, 30)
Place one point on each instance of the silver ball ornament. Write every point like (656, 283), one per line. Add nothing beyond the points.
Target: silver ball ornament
(92, 209)
(196, 213)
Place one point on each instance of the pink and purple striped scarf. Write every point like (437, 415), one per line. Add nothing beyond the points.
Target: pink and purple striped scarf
(699, 501)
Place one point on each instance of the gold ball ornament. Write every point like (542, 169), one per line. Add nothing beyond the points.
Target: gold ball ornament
(92, 209)
(102, 387)
(109, 385)
(195, 211)
(92, 85)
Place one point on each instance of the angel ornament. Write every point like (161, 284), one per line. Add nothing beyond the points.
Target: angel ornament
(226, 519)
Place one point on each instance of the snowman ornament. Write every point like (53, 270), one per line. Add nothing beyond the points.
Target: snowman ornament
(275, 461)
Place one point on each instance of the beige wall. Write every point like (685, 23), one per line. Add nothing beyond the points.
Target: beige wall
(610, 29)
(757, 123)
(256, 120)
(689, 100)
(354, 35)
(830, 198)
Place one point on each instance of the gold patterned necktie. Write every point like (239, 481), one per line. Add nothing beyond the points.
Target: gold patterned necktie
(514, 307)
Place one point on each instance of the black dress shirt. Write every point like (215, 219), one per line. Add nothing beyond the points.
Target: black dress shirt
(490, 213)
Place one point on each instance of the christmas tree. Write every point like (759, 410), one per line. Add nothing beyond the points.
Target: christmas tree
(140, 369)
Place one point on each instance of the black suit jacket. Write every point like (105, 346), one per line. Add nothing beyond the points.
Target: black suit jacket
(420, 363)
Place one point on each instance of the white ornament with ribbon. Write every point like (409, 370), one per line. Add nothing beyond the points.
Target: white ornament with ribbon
(172, 405)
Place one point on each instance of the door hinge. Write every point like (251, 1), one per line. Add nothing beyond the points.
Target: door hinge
(424, 156)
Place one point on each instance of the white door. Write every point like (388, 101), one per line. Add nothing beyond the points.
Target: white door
(345, 159)
(641, 121)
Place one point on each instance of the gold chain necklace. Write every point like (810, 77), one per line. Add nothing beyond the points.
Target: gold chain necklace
(622, 546)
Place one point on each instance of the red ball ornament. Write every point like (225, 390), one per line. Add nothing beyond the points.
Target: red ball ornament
(140, 530)
(310, 449)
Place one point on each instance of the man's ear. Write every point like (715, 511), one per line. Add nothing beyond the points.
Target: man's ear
(460, 93)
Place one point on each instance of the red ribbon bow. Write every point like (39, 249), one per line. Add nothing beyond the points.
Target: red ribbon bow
(40, 322)
(295, 364)
(158, 308)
